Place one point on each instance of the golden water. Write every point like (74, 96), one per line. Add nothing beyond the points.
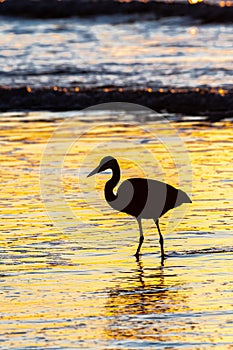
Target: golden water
(71, 281)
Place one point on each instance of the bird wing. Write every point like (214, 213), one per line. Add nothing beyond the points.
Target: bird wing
(146, 198)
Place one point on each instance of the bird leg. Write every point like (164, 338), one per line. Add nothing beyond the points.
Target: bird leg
(161, 242)
(141, 238)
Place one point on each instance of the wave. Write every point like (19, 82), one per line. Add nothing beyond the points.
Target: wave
(213, 103)
(204, 12)
(211, 250)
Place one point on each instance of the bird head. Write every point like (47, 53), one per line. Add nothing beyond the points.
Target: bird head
(182, 198)
(105, 163)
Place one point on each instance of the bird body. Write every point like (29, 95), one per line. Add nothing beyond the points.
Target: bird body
(140, 197)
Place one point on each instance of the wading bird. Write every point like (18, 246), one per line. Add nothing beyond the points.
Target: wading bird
(141, 198)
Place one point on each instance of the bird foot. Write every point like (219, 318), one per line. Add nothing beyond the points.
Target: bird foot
(163, 257)
(137, 255)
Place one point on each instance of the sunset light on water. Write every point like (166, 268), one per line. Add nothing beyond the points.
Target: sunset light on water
(83, 288)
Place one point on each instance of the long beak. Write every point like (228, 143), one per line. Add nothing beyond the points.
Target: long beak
(93, 172)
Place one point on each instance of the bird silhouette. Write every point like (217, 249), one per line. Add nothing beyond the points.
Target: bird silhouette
(140, 197)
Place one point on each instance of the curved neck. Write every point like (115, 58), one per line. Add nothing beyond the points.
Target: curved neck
(110, 184)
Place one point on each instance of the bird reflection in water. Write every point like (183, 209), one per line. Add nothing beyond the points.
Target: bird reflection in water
(139, 308)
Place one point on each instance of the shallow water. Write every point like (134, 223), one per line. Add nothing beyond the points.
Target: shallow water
(126, 50)
(74, 282)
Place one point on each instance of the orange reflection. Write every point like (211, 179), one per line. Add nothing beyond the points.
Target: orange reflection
(225, 3)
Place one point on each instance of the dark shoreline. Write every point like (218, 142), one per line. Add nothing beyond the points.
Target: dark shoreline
(44, 9)
(215, 103)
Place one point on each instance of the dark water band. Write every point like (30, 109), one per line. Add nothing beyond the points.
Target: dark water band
(215, 103)
(204, 12)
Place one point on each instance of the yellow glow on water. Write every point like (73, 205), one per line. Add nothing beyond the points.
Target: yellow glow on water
(83, 287)
(193, 30)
